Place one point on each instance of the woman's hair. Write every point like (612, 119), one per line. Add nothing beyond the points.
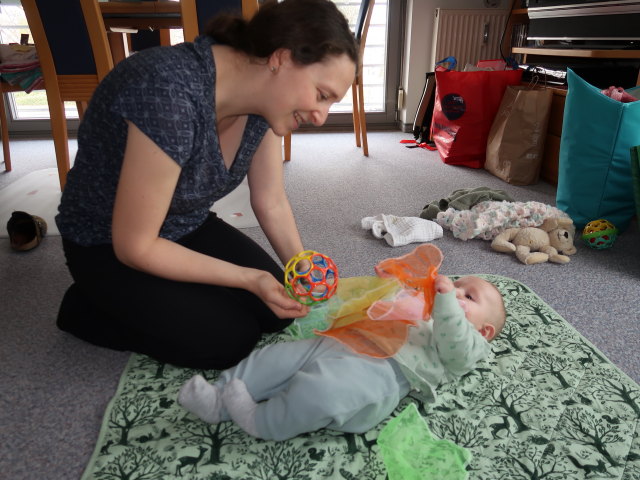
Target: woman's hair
(311, 29)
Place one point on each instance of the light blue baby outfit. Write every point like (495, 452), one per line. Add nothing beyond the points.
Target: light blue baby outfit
(306, 385)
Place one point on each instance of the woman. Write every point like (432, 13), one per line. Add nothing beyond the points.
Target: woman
(167, 133)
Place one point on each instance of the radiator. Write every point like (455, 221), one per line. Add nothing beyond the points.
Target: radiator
(468, 35)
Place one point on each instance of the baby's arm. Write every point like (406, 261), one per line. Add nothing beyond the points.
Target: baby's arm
(459, 346)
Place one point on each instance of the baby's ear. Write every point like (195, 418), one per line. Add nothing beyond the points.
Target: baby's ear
(488, 331)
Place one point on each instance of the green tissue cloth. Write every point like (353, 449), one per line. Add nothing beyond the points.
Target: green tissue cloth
(410, 452)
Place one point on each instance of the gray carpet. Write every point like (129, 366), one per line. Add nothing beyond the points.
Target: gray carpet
(54, 388)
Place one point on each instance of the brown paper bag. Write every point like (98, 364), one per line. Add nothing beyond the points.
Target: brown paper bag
(516, 140)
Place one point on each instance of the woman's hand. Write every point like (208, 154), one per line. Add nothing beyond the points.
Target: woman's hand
(443, 284)
(274, 295)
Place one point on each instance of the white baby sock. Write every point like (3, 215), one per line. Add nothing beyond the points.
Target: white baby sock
(240, 405)
(405, 230)
(375, 224)
(201, 398)
(367, 222)
(399, 231)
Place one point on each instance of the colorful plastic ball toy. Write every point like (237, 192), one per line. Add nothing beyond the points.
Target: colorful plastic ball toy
(599, 234)
(311, 277)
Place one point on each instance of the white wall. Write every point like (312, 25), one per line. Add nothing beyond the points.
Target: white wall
(417, 48)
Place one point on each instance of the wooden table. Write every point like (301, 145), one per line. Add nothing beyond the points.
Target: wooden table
(139, 16)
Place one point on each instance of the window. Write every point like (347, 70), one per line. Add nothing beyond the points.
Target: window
(380, 64)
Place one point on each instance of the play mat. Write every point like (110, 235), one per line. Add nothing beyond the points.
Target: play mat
(545, 405)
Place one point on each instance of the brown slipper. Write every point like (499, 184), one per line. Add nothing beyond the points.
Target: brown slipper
(25, 231)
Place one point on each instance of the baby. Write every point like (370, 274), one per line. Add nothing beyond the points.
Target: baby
(286, 389)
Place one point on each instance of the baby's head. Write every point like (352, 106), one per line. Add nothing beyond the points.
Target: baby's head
(483, 305)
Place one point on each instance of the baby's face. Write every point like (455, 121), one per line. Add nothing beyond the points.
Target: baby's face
(478, 298)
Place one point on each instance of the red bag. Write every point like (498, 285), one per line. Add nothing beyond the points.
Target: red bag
(465, 106)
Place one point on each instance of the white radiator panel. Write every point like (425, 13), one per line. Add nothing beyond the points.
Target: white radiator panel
(468, 35)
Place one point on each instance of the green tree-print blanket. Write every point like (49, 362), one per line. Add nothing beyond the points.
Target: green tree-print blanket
(545, 405)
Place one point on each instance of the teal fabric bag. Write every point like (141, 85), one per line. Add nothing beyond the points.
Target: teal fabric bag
(635, 177)
(594, 171)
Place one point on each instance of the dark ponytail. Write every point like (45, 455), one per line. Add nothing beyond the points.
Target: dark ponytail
(311, 29)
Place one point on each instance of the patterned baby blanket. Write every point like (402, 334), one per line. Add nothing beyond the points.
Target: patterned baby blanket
(487, 219)
(545, 405)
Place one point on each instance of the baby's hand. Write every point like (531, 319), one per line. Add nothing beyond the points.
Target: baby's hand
(443, 284)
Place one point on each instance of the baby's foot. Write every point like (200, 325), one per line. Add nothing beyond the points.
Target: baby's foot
(240, 405)
(201, 398)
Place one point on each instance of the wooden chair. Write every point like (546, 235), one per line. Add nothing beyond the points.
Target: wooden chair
(196, 13)
(357, 88)
(4, 127)
(74, 57)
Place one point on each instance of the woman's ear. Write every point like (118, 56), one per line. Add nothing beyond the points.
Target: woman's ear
(278, 58)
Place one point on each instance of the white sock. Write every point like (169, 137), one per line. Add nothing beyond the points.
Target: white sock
(375, 224)
(201, 398)
(378, 229)
(367, 222)
(240, 406)
(404, 230)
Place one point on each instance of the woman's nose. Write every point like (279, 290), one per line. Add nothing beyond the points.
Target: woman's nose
(318, 117)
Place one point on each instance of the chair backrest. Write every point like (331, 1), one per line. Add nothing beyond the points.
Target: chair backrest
(207, 9)
(363, 20)
(72, 46)
(97, 32)
(66, 47)
(59, 27)
(145, 39)
(197, 13)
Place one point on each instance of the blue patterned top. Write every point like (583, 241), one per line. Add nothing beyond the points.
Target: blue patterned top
(169, 94)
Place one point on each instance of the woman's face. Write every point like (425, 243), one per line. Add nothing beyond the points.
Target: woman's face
(304, 93)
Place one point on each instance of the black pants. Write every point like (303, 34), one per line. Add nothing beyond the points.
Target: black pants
(186, 324)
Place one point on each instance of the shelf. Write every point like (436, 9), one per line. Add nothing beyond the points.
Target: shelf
(574, 52)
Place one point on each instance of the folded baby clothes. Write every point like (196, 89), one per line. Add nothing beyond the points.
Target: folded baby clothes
(399, 231)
